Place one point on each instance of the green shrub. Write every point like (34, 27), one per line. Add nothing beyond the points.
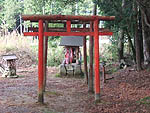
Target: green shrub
(55, 56)
(57, 75)
(110, 52)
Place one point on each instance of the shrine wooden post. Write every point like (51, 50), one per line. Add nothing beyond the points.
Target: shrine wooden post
(90, 81)
(91, 44)
(45, 54)
(85, 56)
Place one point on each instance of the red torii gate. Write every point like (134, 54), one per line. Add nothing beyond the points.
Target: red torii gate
(67, 30)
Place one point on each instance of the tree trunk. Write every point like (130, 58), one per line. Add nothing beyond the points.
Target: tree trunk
(121, 38)
(144, 6)
(91, 45)
(137, 40)
(131, 44)
(146, 41)
(141, 36)
(121, 45)
(73, 12)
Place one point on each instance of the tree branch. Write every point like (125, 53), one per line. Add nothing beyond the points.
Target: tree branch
(142, 4)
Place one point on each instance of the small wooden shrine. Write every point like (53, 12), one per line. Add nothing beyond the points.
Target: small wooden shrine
(8, 65)
(71, 64)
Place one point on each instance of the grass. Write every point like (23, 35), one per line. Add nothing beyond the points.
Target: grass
(46, 110)
(14, 42)
(112, 70)
(101, 102)
(145, 100)
(18, 44)
(52, 93)
(57, 75)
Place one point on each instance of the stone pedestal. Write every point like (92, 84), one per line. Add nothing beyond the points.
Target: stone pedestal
(70, 69)
(62, 70)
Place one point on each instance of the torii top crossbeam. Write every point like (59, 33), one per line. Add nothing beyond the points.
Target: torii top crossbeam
(67, 20)
(66, 17)
(67, 30)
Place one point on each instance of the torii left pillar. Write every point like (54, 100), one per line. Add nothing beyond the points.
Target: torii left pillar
(41, 63)
(96, 58)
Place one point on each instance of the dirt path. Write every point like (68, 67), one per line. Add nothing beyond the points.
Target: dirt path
(70, 95)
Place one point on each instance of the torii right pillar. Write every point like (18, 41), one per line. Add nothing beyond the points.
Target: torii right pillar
(96, 57)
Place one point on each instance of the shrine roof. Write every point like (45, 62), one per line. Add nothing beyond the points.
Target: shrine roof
(71, 41)
(10, 57)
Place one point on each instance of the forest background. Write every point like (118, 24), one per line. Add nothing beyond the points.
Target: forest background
(131, 26)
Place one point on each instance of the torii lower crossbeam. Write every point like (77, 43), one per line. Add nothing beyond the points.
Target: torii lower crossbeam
(68, 32)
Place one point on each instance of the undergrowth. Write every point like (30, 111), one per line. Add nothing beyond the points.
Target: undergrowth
(55, 56)
(14, 42)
